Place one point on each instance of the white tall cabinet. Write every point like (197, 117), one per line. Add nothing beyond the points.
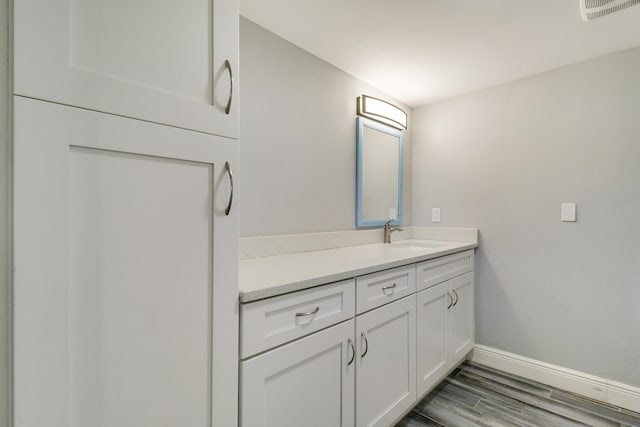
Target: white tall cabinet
(163, 61)
(125, 228)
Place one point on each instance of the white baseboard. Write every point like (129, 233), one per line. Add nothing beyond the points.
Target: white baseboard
(612, 392)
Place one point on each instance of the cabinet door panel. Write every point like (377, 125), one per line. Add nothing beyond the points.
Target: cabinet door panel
(160, 61)
(305, 383)
(129, 309)
(386, 380)
(120, 300)
(462, 333)
(431, 342)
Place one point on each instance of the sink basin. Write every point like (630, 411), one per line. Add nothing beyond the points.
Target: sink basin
(415, 245)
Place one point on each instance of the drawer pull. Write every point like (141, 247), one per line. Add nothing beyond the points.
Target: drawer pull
(366, 344)
(450, 301)
(353, 351)
(227, 167)
(227, 65)
(309, 313)
(392, 287)
(456, 294)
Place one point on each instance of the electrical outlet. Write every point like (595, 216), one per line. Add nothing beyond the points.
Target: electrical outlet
(568, 212)
(435, 215)
(392, 214)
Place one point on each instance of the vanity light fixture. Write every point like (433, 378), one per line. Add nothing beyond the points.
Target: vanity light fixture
(594, 9)
(382, 111)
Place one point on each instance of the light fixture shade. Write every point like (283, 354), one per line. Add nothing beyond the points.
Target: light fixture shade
(382, 111)
(594, 9)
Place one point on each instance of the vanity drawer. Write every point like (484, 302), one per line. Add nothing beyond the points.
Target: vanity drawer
(438, 270)
(376, 289)
(268, 323)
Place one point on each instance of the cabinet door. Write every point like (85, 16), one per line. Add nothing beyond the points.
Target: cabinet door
(386, 380)
(125, 273)
(159, 61)
(309, 382)
(431, 342)
(462, 335)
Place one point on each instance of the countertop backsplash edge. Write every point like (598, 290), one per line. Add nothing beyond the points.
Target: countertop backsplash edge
(283, 244)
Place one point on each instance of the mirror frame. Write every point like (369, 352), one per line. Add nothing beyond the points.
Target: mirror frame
(361, 122)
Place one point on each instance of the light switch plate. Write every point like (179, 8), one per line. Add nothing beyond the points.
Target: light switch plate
(435, 215)
(568, 212)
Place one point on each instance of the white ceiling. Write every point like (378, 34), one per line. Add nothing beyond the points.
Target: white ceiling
(420, 51)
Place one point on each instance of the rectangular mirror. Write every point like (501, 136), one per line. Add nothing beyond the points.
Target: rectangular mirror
(379, 174)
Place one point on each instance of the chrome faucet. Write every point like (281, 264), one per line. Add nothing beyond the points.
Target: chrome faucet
(388, 230)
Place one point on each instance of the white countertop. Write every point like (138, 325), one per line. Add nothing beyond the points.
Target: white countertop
(276, 275)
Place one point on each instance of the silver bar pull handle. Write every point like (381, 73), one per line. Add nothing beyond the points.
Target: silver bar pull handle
(309, 313)
(227, 167)
(456, 294)
(227, 65)
(392, 287)
(353, 351)
(450, 301)
(363, 337)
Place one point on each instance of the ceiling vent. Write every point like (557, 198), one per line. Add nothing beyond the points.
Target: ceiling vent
(594, 9)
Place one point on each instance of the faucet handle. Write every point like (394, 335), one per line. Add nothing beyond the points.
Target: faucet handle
(388, 230)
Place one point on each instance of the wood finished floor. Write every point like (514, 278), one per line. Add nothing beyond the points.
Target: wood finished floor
(474, 395)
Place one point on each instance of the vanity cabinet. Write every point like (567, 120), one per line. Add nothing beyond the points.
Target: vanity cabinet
(346, 354)
(170, 62)
(360, 371)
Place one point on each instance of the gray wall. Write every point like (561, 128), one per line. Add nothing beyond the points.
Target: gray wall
(4, 225)
(504, 159)
(298, 144)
